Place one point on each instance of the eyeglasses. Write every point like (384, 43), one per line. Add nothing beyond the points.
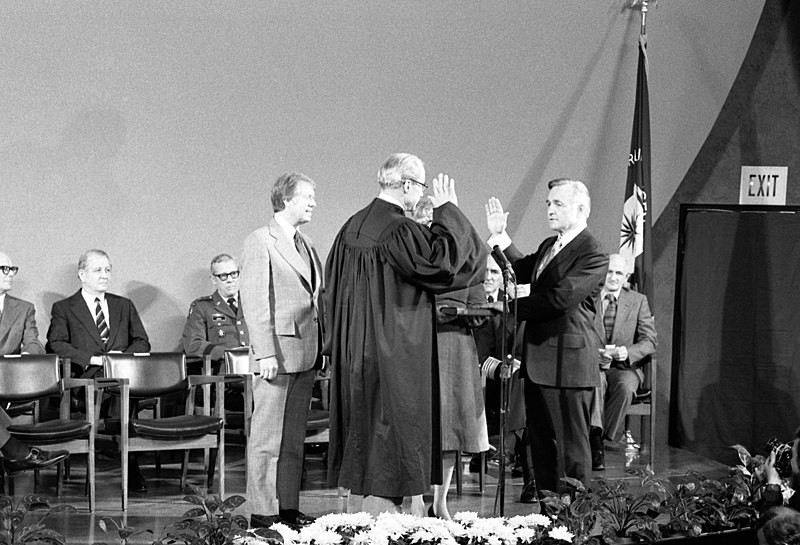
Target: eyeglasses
(224, 276)
(423, 184)
(6, 269)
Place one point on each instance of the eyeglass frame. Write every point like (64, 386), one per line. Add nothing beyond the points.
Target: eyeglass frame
(5, 269)
(224, 276)
(423, 184)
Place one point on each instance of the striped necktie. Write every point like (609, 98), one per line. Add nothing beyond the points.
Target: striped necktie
(610, 316)
(100, 320)
(554, 249)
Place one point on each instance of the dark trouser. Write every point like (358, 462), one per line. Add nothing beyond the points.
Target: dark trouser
(558, 425)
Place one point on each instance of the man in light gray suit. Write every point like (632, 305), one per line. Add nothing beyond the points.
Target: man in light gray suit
(18, 333)
(280, 285)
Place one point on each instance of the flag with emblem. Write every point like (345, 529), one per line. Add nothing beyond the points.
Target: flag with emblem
(634, 242)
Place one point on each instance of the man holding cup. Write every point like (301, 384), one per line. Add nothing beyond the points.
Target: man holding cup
(625, 322)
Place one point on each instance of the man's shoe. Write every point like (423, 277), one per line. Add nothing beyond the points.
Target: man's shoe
(598, 460)
(295, 517)
(36, 459)
(475, 464)
(264, 521)
(529, 493)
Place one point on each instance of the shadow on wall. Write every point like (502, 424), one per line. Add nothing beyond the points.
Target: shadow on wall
(707, 180)
(160, 314)
(526, 192)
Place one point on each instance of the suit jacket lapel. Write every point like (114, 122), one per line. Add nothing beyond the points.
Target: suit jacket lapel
(81, 311)
(285, 247)
(623, 309)
(10, 313)
(565, 253)
(114, 318)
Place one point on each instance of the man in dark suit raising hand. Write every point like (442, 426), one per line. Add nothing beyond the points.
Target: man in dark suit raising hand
(561, 343)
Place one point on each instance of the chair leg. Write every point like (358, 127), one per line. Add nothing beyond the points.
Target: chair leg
(459, 472)
(184, 469)
(482, 473)
(211, 465)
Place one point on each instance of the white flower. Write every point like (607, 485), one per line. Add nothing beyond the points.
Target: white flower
(533, 520)
(466, 516)
(525, 534)
(561, 532)
(289, 535)
(327, 537)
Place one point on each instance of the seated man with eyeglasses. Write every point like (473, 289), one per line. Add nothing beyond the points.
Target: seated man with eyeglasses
(215, 322)
(18, 333)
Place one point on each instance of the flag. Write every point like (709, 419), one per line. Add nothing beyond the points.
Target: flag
(634, 243)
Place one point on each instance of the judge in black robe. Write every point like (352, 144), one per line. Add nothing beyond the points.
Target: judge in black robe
(383, 272)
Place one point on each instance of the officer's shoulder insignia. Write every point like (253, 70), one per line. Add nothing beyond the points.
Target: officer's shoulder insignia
(194, 303)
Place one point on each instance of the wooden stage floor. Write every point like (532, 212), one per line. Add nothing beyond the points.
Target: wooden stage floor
(163, 503)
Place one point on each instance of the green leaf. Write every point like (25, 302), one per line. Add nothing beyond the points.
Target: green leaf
(232, 502)
(194, 512)
(197, 500)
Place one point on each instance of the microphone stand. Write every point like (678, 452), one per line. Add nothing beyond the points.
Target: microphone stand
(505, 390)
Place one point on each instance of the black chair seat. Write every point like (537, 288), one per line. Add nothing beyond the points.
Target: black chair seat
(177, 426)
(318, 420)
(53, 431)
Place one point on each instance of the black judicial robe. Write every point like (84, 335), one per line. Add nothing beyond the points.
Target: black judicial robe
(382, 273)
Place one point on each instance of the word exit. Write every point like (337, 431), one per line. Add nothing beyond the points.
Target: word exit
(763, 185)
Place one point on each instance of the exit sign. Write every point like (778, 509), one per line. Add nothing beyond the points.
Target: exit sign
(763, 185)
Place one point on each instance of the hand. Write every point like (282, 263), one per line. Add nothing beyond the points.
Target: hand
(522, 290)
(496, 219)
(444, 190)
(97, 361)
(769, 470)
(268, 367)
(605, 359)
(621, 354)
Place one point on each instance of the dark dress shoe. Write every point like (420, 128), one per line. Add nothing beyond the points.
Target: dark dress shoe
(264, 521)
(598, 460)
(596, 445)
(36, 459)
(529, 493)
(295, 517)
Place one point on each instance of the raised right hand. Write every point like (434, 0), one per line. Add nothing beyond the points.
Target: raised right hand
(496, 219)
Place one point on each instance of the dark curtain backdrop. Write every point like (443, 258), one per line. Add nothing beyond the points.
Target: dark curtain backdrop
(737, 329)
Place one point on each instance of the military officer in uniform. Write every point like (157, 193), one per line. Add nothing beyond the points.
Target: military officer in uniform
(215, 322)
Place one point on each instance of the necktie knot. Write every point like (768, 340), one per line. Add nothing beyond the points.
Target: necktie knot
(490, 299)
(611, 299)
(232, 304)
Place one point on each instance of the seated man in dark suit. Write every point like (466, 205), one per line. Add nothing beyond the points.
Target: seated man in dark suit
(92, 322)
(215, 322)
(18, 333)
(625, 322)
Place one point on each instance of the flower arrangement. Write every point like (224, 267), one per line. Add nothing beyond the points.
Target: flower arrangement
(466, 528)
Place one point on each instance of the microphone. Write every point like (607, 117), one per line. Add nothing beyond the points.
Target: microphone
(501, 259)
(477, 310)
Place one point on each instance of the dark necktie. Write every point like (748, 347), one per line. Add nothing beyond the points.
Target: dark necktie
(304, 253)
(610, 316)
(100, 320)
(232, 304)
(490, 299)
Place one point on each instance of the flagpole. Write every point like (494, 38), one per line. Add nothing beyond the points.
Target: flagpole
(643, 5)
